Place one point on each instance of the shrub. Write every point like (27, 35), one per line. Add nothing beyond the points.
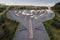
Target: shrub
(2, 9)
(6, 31)
(1, 20)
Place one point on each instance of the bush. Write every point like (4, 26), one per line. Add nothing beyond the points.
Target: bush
(56, 24)
(49, 31)
(6, 31)
(2, 9)
(1, 33)
(1, 20)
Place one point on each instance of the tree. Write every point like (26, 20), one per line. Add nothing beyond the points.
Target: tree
(56, 8)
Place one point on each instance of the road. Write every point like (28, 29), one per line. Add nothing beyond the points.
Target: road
(39, 32)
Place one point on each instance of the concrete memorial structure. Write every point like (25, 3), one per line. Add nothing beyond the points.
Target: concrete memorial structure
(31, 23)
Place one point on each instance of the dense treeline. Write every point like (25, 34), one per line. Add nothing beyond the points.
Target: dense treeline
(56, 8)
(27, 7)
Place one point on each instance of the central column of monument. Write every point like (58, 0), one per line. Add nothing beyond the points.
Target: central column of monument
(30, 28)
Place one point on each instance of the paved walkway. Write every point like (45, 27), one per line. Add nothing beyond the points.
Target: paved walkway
(39, 32)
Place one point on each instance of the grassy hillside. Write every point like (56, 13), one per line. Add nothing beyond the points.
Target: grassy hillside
(7, 26)
(53, 26)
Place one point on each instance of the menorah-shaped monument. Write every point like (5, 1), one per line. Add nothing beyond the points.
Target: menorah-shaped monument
(31, 26)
